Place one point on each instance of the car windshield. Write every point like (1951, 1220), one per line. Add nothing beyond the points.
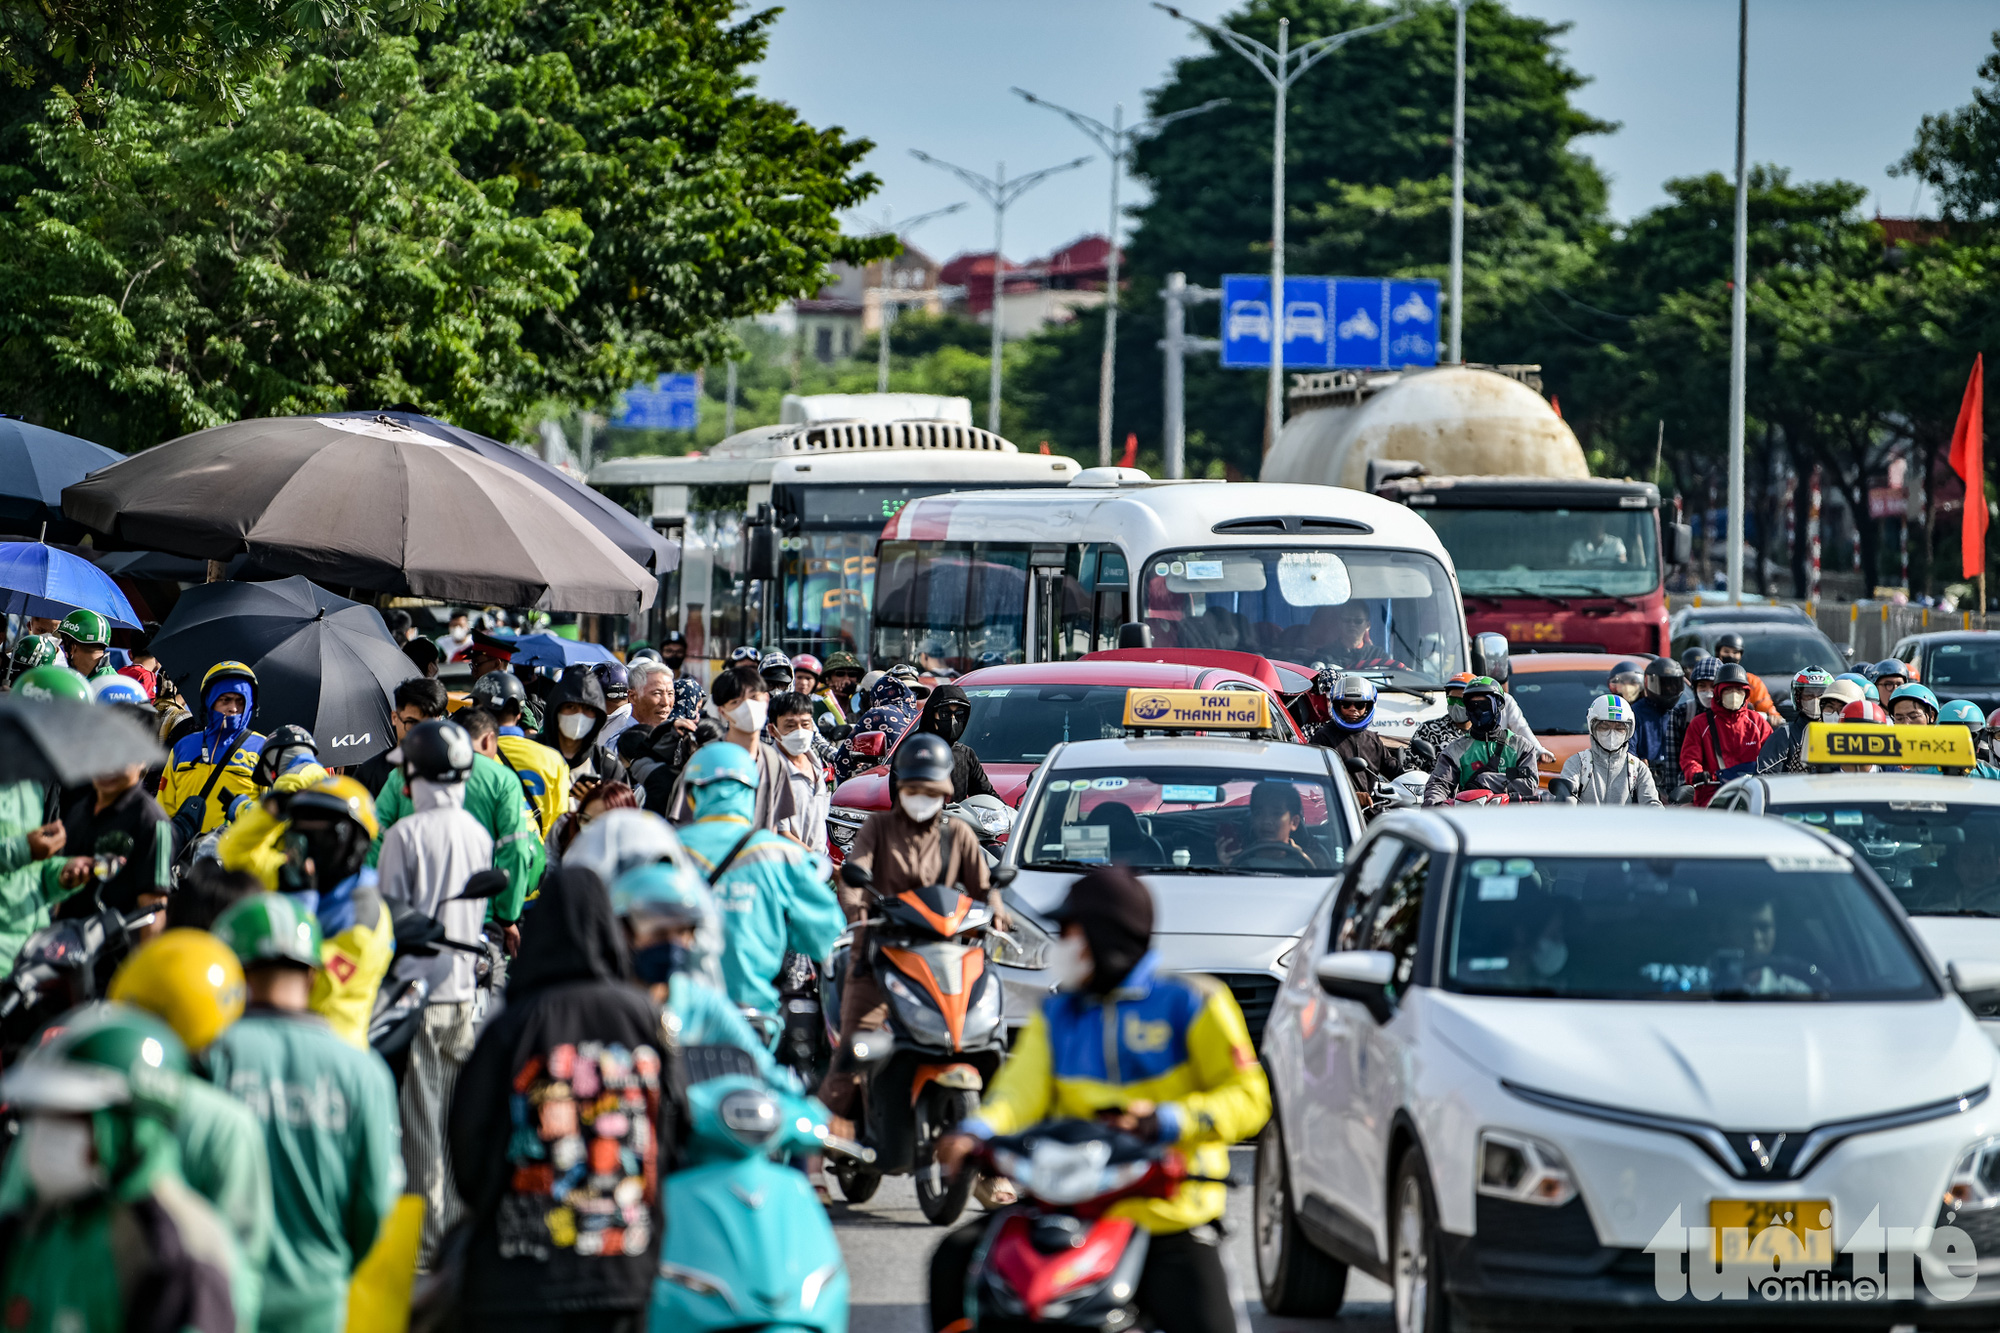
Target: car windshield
(1803, 926)
(1551, 552)
(1186, 820)
(1777, 653)
(1940, 859)
(1389, 613)
(1557, 703)
(1020, 724)
(1963, 666)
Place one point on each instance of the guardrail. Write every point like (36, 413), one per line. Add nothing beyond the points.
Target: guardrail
(1867, 629)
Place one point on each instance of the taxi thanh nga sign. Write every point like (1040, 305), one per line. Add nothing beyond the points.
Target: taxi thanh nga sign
(1247, 709)
(1866, 743)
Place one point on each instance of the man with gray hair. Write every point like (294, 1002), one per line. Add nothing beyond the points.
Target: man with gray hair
(652, 697)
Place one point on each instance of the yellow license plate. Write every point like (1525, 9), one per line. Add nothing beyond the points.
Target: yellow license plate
(1739, 1223)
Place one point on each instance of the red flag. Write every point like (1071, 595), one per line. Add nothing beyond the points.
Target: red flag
(1557, 404)
(1131, 458)
(1968, 460)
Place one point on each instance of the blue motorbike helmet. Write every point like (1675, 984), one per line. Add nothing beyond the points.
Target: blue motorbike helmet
(1353, 703)
(1921, 695)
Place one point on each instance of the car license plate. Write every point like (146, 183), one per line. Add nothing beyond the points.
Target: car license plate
(1738, 1223)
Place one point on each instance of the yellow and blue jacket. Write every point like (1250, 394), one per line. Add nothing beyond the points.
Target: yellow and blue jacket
(1178, 1042)
(188, 767)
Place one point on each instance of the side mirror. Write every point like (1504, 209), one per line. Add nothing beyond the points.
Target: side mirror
(869, 744)
(1133, 634)
(760, 546)
(1002, 876)
(855, 876)
(1680, 543)
(1360, 975)
(1978, 982)
(1489, 656)
(485, 884)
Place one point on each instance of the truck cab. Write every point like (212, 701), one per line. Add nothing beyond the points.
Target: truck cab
(1556, 564)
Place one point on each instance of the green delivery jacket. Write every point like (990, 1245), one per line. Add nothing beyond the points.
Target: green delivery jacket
(333, 1136)
(494, 797)
(27, 886)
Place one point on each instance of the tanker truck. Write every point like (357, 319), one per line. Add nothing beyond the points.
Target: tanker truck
(1549, 556)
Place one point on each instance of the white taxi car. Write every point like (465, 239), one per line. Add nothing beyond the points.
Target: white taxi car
(1534, 1066)
(1238, 839)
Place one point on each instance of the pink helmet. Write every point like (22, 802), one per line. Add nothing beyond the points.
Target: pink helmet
(807, 662)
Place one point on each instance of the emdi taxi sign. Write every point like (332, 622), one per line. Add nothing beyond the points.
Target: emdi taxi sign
(1248, 709)
(1865, 743)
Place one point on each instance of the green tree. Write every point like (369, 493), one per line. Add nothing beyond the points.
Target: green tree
(1957, 152)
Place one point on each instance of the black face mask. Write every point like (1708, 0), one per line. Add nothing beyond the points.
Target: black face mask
(656, 964)
(951, 723)
(1484, 715)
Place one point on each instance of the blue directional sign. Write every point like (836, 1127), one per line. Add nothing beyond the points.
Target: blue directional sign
(672, 402)
(1345, 323)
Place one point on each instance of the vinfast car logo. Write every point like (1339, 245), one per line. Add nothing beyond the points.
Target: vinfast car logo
(1790, 1257)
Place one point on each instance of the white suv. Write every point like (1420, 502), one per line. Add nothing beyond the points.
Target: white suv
(1540, 1065)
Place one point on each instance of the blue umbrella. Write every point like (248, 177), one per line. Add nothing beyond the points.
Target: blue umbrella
(38, 580)
(553, 650)
(36, 463)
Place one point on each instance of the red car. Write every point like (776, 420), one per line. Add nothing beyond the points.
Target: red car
(1021, 712)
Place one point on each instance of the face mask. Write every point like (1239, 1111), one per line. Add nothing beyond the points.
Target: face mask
(951, 723)
(1734, 699)
(1550, 955)
(921, 808)
(1611, 738)
(460, 635)
(59, 1158)
(797, 742)
(576, 725)
(1455, 710)
(656, 964)
(1809, 709)
(1484, 716)
(1703, 695)
(748, 715)
(1071, 961)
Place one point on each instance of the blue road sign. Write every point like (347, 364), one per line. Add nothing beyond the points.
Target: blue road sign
(673, 402)
(1348, 323)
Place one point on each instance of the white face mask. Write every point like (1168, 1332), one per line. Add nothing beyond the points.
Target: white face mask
(59, 1158)
(923, 809)
(1071, 961)
(797, 742)
(1610, 736)
(1703, 695)
(576, 725)
(1809, 709)
(1733, 699)
(748, 714)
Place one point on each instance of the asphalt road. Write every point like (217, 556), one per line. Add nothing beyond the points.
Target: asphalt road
(888, 1246)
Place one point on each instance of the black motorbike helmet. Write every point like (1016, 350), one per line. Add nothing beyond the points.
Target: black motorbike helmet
(1692, 654)
(500, 693)
(1732, 641)
(280, 748)
(924, 757)
(1732, 673)
(1483, 707)
(1665, 681)
(438, 750)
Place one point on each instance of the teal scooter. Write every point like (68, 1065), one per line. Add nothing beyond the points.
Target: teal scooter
(748, 1243)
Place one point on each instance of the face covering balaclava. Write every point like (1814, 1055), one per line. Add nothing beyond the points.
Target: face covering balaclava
(1484, 712)
(748, 714)
(1704, 695)
(58, 1153)
(797, 742)
(920, 806)
(221, 733)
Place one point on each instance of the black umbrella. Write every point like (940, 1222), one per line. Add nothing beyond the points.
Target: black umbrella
(66, 744)
(322, 662)
(363, 502)
(35, 464)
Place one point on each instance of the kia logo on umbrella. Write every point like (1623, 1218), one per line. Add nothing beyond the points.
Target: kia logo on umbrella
(351, 739)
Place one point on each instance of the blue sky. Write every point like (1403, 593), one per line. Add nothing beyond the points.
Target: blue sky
(1837, 88)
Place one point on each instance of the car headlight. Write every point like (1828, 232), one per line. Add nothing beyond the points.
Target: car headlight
(1025, 945)
(1975, 1182)
(842, 824)
(1525, 1170)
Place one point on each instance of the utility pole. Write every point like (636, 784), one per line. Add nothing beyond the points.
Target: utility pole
(1458, 199)
(888, 291)
(1281, 68)
(1117, 143)
(1179, 296)
(1739, 310)
(1000, 192)
(729, 404)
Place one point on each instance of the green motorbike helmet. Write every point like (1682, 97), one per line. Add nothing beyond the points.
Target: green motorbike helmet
(86, 627)
(35, 650)
(102, 1055)
(52, 682)
(268, 928)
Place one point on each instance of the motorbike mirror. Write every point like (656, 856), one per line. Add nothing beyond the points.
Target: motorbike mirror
(870, 1048)
(1361, 975)
(869, 744)
(485, 884)
(856, 876)
(1002, 876)
(1356, 764)
(1424, 751)
(1560, 789)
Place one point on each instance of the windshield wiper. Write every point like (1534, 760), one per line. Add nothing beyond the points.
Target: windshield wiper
(1496, 593)
(1742, 994)
(1386, 678)
(1584, 590)
(1064, 865)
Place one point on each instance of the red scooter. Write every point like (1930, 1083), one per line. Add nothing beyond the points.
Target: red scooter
(1055, 1260)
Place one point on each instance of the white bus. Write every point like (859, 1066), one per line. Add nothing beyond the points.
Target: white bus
(1311, 575)
(779, 523)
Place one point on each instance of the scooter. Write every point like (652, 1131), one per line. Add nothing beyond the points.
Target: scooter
(1055, 1259)
(928, 950)
(747, 1244)
(66, 963)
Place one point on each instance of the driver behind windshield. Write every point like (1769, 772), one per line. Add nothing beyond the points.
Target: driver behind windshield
(1277, 814)
(1598, 547)
(1748, 959)
(1345, 636)
(1962, 880)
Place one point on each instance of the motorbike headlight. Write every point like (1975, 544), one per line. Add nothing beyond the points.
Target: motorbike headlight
(750, 1116)
(1025, 944)
(1975, 1182)
(701, 1284)
(1525, 1170)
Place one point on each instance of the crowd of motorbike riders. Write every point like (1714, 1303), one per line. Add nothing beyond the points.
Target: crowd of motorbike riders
(253, 1000)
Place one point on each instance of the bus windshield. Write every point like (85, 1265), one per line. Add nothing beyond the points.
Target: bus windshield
(1386, 612)
(1551, 552)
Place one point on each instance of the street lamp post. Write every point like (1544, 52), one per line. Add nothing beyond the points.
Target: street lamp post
(1281, 68)
(1117, 143)
(888, 293)
(1739, 296)
(1000, 192)
(1458, 197)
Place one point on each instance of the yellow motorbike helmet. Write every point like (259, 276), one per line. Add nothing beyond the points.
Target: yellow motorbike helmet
(337, 798)
(189, 979)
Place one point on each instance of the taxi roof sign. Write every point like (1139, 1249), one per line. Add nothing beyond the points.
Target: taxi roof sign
(1948, 746)
(1204, 710)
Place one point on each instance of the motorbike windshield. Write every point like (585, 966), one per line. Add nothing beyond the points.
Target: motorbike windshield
(1802, 927)
(1940, 859)
(1390, 614)
(1167, 820)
